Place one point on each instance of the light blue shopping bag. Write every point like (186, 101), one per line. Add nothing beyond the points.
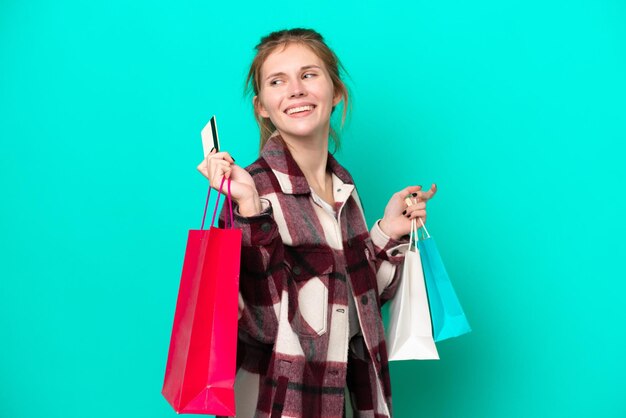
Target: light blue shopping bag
(445, 309)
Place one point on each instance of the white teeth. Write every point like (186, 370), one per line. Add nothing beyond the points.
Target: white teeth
(299, 109)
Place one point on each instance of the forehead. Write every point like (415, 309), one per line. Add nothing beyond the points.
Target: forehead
(290, 58)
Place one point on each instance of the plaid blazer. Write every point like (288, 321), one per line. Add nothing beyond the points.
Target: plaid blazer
(299, 266)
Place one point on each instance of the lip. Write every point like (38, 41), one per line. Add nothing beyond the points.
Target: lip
(298, 105)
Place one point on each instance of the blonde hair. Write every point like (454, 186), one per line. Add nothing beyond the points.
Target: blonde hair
(315, 42)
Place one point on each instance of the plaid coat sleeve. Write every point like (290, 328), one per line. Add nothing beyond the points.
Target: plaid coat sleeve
(262, 272)
(389, 258)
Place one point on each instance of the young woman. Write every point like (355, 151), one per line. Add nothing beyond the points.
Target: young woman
(313, 278)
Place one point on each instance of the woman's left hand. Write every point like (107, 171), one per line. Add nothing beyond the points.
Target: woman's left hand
(396, 221)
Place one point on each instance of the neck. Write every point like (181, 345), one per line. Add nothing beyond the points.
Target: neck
(311, 155)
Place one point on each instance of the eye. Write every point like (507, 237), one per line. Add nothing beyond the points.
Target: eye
(309, 75)
(276, 82)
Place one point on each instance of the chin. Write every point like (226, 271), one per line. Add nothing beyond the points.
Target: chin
(301, 133)
(304, 130)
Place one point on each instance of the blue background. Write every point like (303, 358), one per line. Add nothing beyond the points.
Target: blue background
(516, 110)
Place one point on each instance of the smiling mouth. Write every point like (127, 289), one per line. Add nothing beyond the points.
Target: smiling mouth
(299, 109)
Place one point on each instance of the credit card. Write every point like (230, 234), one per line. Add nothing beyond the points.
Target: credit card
(209, 137)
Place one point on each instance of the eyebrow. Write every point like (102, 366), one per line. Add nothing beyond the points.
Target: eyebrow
(306, 67)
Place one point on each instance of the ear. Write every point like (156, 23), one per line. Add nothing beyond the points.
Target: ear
(337, 98)
(258, 106)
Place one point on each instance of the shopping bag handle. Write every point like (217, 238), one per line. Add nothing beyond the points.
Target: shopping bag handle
(217, 202)
(414, 228)
(413, 237)
(424, 229)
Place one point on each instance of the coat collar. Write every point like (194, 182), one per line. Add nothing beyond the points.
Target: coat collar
(290, 177)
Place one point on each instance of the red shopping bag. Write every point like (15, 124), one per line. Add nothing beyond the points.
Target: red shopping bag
(201, 364)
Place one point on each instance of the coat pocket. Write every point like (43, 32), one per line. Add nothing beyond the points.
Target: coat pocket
(362, 264)
(310, 269)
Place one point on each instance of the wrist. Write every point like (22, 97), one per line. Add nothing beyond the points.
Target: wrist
(384, 227)
(249, 206)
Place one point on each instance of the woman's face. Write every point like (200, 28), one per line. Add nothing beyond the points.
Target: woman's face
(296, 92)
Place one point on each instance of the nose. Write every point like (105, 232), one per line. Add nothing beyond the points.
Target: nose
(297, 89)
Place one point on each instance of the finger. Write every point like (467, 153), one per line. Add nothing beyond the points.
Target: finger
(202, 168)
(431, 192)
(204, 163)
(409, 193)
(212, 170)
(218, 173)
(412, 200)
(428, 194)
(416, 206)
(420, 207)
(409, 190)
(223, 163)
(209, 163)
(416, 214)
(214, 174)
(223, 155)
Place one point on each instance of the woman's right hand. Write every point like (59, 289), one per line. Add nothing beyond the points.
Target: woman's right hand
(218, 165)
